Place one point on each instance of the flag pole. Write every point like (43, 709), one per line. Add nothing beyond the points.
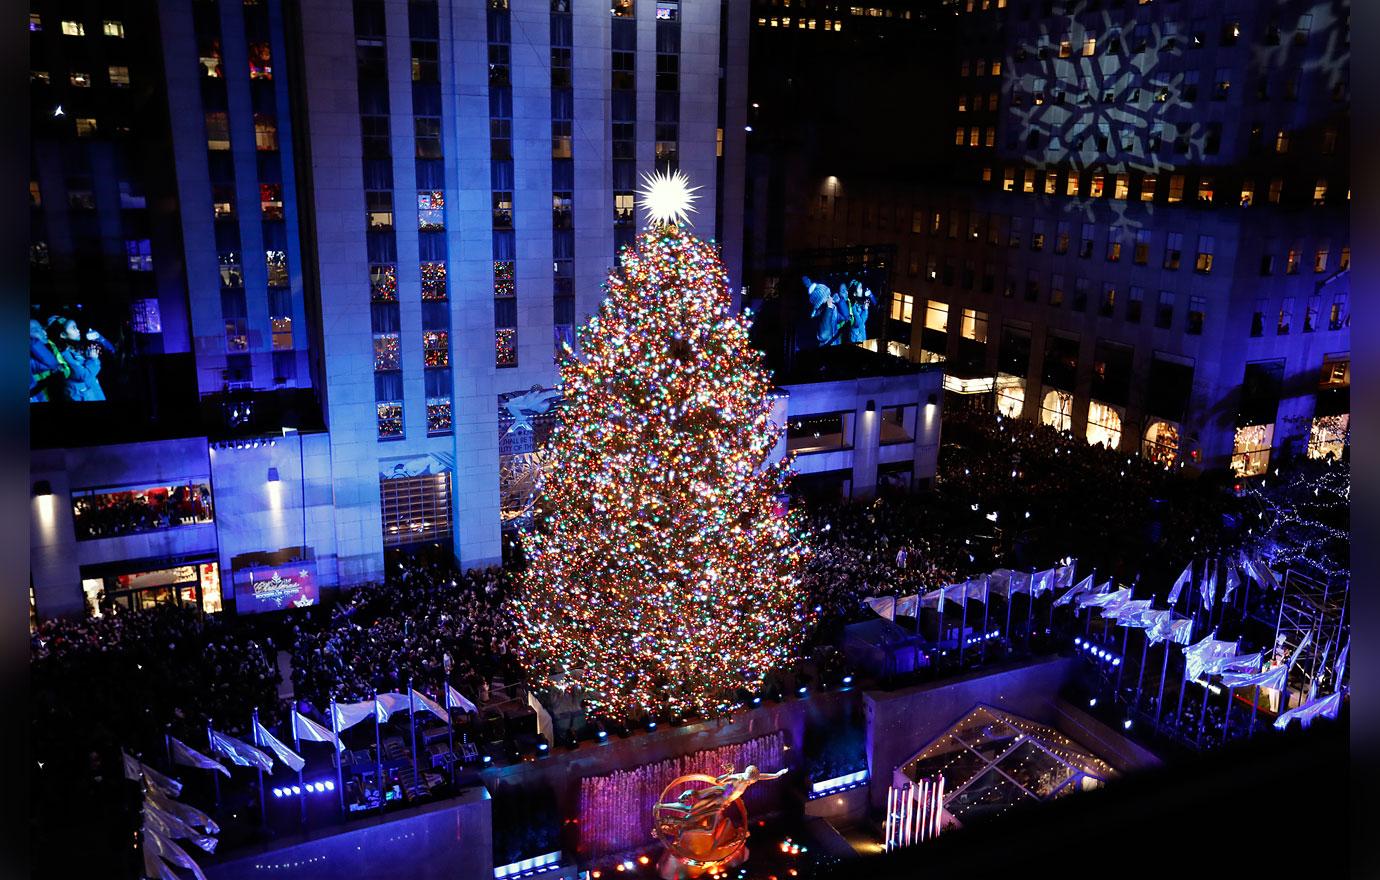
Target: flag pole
(1164, 671)
(963, 627)
(1029, 611)
(1255, 709)
(263, 804)
(1226, 719)
(215, 775)
(1010, 591)
(1183, 686)
(986, 606)
(1202, 712)
(450, 719)
(412, 721)
(301, 785)
(1140, 676)
(1125, 643)
(378, 751)
(339, 768)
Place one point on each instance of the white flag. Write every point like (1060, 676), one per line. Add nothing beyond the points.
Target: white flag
(347, 715)
(172, 827)
(456, 700)
(422, 701)
(884, 606)
(1327, 707)
(1083, 586)
(271, 742)
(185, 754)
(1209, 592)
(141, 772)
(166, 849)
(304, 728)
(1271, 678)
(241, 753)
(1042, 583)
(1205, 655)
(157, 868)
(1179, 585)
(387, 704)
(186, 812)
(909, 606)
(1232, 582)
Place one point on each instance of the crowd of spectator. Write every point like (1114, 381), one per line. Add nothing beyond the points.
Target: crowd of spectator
(427, 624)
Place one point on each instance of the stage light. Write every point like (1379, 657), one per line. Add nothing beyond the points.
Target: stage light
(1126, 724)
(277, 792)
(643, 860)
(488, 759)
(1092, 702)
(297, 789)
(330, 786)
(848, 679)
(1116, 661)
(628, 865)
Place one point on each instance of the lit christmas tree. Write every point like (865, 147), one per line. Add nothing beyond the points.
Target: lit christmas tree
(661, 577)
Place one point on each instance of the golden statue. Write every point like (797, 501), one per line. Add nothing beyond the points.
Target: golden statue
(704, 828)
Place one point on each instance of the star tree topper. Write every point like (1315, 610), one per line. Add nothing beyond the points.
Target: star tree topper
(667, 197)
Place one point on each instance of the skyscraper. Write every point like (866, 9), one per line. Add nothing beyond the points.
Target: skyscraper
(363, 230)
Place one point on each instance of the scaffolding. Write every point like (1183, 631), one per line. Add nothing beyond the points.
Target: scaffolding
(1313, 621)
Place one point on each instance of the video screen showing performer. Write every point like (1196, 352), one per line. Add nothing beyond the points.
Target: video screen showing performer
(841, 306)
(71, 357)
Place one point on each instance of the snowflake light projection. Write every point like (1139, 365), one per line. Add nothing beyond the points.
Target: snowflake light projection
(1123, 107)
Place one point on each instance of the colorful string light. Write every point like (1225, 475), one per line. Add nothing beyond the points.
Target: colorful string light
(662, 579)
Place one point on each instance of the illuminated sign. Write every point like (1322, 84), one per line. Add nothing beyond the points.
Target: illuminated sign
(273, 588)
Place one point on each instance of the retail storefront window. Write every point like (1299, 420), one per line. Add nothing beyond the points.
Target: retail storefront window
(1162, 443)
(107, 513)
(1010, 395)
(1104, 425)
(1251, 450)
(1056, 410)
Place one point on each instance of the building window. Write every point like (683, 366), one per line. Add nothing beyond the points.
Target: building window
(1056, 410)
(1010, 395)
(1310, 314)
(436, 348)
(383, 282)
(1251, 450)
(1176, 188)
(119, 76)
(1328, 436)
(282, 333)
(901, 306)
(1292, 261)
(1085, 243)
(1203, 263)
(138, 255)
(433, 281)
(1282, 141)
(1056, 291)
(1276, 190)
(86, 127)
(271, 200)
(1095, 189)
(1338, 317)
(1162, 443)
(79, 80)
(974, 325)
(937, 316)
(1147, 188)
(265, 132)
(505, 347)
(260, 61)
(378, 206)
(1258, 317)
(1205, 190)
(1286, 316)
(1344, 262)
(73, 29)
(1320, 258)
(217, 131)
(431, 213)
(1247, 193)
(1114, 244)
(113, 28)
(390, 419)
(276, 263)
(1164, 310)
(438, 416)
(1135, 304)
(1104, 425)
(1107, 307)
(387, 354)
(1197, 314)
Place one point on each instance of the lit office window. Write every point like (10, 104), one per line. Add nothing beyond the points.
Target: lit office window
(73, 29)
(113, 28)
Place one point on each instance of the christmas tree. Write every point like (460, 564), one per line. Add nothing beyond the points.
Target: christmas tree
(660, 576)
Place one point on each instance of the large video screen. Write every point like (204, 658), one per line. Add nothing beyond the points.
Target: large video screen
(840, 298)
(80, 355)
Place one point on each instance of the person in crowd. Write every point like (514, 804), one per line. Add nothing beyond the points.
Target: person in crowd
(83, 360)
(47, 369)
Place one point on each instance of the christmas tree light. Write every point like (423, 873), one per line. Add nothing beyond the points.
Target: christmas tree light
(660, 579)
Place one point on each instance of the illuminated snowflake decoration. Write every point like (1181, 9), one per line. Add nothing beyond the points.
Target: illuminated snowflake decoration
(667, 197)
(1122, 108)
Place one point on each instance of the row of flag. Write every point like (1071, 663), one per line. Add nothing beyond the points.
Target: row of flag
(167, 820)
(1002, 582)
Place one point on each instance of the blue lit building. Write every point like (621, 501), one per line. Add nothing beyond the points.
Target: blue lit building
(1128, 220)
(330, 243)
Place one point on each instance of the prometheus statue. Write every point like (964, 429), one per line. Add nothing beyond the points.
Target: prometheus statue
(704, 828)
